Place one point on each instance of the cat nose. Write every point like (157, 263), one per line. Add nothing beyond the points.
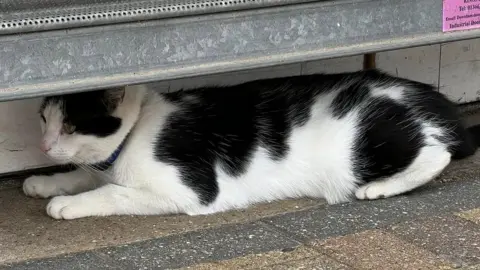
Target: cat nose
(45, 147)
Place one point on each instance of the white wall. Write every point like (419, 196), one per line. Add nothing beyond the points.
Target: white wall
(454, 67)
(19, 134)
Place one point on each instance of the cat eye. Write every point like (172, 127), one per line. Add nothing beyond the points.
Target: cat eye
(69, 129)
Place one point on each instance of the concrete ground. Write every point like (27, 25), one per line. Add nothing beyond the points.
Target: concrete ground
(435, 227)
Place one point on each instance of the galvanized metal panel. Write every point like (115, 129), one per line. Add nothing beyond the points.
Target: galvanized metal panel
(91, 58)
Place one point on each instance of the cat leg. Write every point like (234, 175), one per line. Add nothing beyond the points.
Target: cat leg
(110, 200)
(74, 182)
(430, 162)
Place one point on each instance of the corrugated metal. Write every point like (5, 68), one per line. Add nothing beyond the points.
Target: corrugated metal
(20, 16)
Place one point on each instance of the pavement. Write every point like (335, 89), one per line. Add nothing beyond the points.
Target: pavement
(434, 227)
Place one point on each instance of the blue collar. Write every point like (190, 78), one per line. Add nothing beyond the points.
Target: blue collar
(104, 165)
(115, 154)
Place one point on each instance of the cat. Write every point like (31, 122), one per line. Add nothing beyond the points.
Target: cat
(141, 152)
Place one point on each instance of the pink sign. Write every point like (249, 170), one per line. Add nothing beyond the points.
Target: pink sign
(461, 14)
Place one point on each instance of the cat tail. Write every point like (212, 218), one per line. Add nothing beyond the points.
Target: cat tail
(469, 143)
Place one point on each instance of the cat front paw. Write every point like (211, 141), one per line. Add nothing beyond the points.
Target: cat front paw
(41, 187)
(68, 207)
(373, 191)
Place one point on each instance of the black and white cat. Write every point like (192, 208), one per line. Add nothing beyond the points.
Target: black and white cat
(213, 149)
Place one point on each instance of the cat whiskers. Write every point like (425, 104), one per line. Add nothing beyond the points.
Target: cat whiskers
(76, 164)
(92, 170)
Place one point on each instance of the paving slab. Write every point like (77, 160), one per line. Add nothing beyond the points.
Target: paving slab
(81, 261)
(210, 245)
(451, 237)
(473, 267)
(310, 263)
(263, 260)
(472, 215)
(376, 249)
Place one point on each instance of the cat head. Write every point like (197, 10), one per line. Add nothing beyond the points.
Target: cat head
(83, 127)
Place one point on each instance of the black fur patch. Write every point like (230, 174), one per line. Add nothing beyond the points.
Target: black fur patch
(388, 140)
(89, 112)
(349, 98)
(224, 126)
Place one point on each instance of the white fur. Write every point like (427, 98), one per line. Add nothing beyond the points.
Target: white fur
(318, 165)
(394, 93)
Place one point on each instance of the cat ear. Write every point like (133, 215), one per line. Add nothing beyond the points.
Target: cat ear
(114, 97)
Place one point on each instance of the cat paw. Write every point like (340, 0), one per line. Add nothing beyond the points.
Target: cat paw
(68, 207)
(372, 191)
(41, 187)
